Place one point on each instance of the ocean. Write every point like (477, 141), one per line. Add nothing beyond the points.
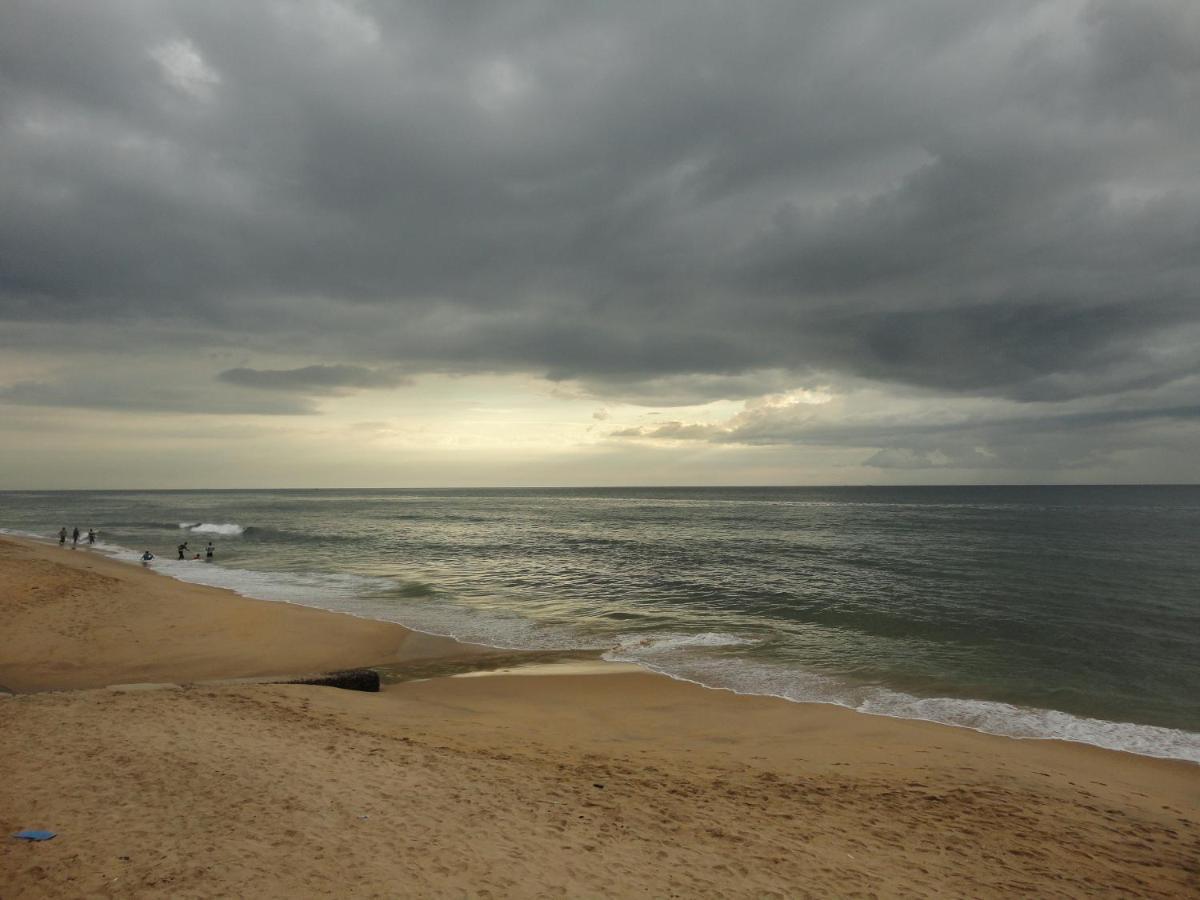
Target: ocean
(1032, 612)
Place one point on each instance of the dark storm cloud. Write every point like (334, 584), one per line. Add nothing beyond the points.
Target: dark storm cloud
(994, 199)
(312, 379)
(108, 394)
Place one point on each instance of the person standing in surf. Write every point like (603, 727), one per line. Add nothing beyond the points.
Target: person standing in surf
(91, 536)
(75, 538)
(208, 552)
(62, 536)
(183, 550)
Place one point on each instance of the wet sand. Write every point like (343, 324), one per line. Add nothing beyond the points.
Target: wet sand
(587, 781)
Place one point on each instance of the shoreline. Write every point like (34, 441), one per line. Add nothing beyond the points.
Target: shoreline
(602, 783)
(218, 634)
(1110, 734)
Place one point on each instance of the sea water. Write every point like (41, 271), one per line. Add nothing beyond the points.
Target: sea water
(1040, 612)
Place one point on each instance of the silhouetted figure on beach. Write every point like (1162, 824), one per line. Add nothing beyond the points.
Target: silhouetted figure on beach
(91, 536)
(74, 538)
(62, 536)
(183, 550)
(208, 552)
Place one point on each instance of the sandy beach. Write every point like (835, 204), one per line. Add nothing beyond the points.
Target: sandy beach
(555, 779)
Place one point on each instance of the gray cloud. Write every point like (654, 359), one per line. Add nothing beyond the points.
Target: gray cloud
(947, 439)
(663, 203)
(146, 397)
(313, 379)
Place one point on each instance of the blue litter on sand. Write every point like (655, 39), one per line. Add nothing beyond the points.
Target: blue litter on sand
(34, 835)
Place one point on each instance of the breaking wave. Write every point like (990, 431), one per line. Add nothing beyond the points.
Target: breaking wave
(229, 529)
(744, 676)
(637, 645)
(715, 659)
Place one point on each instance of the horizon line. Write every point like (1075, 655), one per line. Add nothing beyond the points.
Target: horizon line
(608, 487)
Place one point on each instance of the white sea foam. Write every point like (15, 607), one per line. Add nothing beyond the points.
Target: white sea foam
(683, 656)
(778, 680)
(228, 529)
(367, 597)
(342, 593)
(101, 545)
(17, 532)
(641, 644)
(110, 548)
(473, 625)
(1023, 722)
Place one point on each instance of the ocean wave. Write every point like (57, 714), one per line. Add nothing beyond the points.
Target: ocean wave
(339, 593)
(108, 548)
(424, 608)
(1023, 722)
(138, 524)
(683, 656)
(17, 532)
(280, 535)
(228, 529)
(991, 717)
(669, 641)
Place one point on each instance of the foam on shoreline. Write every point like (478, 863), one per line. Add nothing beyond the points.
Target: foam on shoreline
(680, 656)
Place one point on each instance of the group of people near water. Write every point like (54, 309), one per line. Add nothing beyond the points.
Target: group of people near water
(184, 551)
(208, 551)
(62, 537)
(146, 556)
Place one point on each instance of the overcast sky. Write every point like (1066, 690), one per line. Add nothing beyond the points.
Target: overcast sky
(454, 243)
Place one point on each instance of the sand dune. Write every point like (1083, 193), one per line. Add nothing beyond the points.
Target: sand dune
(624, 785)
